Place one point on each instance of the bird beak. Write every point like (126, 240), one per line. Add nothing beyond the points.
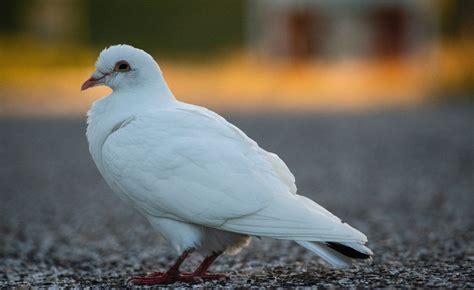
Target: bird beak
(96, 79)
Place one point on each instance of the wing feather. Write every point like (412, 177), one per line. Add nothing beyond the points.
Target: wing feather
(191, 165)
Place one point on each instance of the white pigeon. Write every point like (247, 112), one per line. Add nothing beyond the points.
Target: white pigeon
(199, 180)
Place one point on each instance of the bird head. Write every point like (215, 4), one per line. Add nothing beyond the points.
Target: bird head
(123, 66)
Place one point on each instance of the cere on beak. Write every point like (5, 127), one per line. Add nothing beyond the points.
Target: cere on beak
(96, 79)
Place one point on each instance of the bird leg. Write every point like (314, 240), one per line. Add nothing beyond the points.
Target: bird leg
(173, 274)
(201, 272)
(168, 277)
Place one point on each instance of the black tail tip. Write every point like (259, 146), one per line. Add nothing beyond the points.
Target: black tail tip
(347, 251)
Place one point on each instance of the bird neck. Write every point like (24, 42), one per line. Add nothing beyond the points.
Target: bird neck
(124, 103)
(150, 91)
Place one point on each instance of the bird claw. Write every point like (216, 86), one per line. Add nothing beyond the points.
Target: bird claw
(205, 276)
(152, 279)
(158, 278)
(154, 274)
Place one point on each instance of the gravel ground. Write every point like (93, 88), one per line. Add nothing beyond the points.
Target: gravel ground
(405, 178)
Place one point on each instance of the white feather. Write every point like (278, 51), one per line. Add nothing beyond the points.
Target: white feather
(195, 176)
(333, 258)
(359, 247)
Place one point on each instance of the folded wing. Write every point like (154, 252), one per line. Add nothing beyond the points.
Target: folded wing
(191, 165)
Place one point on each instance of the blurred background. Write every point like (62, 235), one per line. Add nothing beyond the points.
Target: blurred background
(243, 55)
(369, 102)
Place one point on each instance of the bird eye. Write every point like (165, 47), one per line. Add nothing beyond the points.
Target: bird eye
(122, 66)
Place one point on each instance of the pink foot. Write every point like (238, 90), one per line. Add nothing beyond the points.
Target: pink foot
(158, 278)
(205, 276)
(155, 274)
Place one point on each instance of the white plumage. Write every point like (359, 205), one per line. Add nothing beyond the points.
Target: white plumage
(199, 180)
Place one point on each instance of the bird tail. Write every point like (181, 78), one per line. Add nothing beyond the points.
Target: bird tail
(338, 255)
